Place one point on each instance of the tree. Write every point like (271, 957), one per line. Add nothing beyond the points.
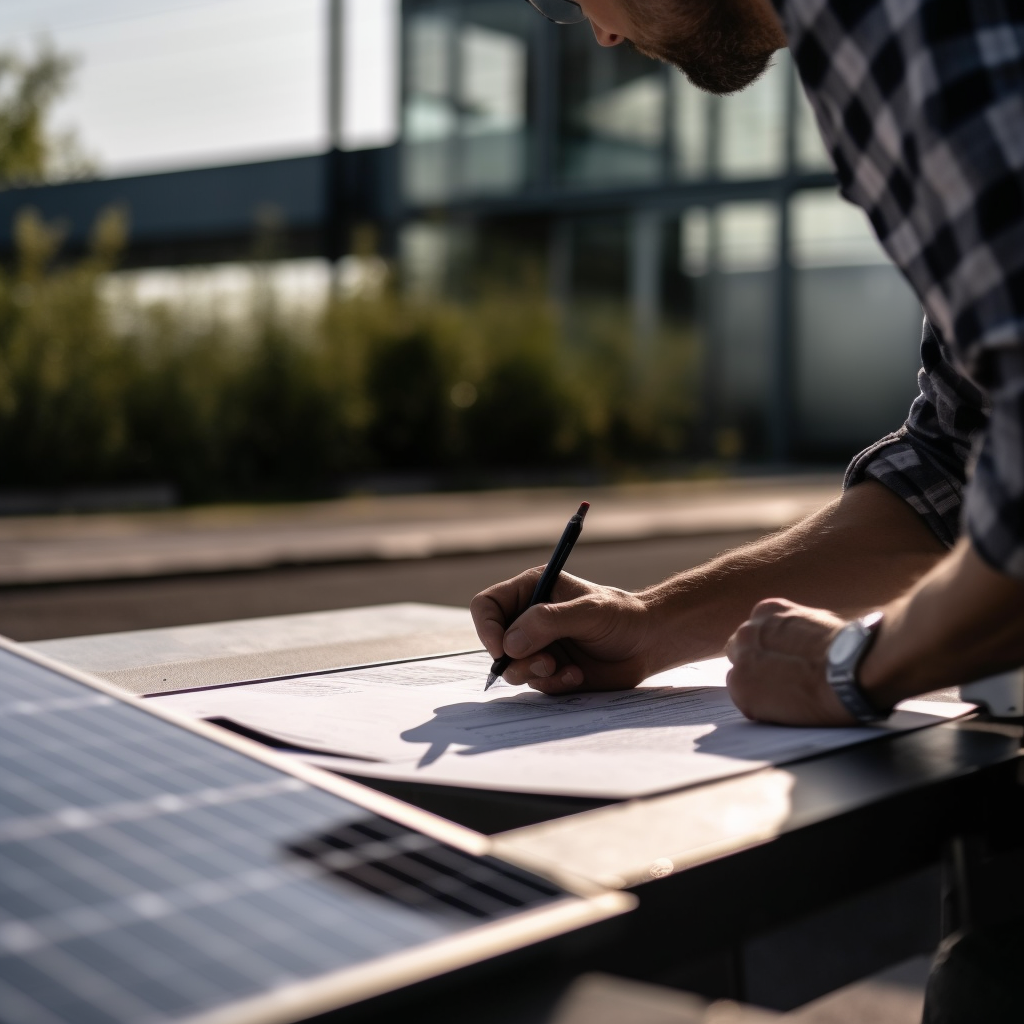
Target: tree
(30, 152)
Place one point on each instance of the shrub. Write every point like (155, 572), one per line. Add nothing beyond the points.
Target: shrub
(95, 390)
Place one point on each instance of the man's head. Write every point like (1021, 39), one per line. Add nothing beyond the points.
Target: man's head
(720, 45)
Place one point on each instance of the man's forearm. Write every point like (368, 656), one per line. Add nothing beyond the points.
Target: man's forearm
(859, 552)
(961, 622)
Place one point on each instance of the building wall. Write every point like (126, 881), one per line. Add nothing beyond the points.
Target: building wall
(712, 216)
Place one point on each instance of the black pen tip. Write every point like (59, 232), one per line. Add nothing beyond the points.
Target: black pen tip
(492, 678)
(584, 505)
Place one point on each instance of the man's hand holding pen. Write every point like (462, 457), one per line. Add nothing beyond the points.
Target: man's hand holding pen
(587, 637)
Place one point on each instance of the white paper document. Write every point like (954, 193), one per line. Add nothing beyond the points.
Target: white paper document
(430, 721)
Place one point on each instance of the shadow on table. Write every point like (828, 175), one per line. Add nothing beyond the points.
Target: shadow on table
(528, 718)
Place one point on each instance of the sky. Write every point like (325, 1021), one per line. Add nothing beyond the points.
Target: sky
(163, 84)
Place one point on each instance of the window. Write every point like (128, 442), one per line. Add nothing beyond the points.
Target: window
(465, 112)
(856, 327)
(810, 154)
(829, 232)
(690, 140)
(613, 114)
(752, 127)
(492, 94)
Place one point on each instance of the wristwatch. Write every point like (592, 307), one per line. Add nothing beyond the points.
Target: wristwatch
(845, 653)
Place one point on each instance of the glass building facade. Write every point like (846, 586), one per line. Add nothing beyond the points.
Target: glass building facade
(714, 216)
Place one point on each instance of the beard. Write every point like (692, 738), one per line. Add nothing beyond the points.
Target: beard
(719, 51)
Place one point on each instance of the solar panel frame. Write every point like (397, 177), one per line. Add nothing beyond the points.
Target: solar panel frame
(584, 903)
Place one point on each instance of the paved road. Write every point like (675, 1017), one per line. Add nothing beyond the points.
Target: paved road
(216, 539)
(77, 609)
(79, 574)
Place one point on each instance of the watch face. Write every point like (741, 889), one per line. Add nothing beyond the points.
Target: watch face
(845, 643)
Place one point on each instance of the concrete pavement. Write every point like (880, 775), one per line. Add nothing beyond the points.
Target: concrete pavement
(218, 539)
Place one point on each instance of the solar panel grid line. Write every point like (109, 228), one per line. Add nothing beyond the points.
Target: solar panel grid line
(508, 895)
(20, 1007)
(50, 756)
(445, 870)
(236, 850)
(72, 1002)
(43, 753)
(128, 852)
(70, 819)
(31, 755)
(19, 937)
(221, 957)
(128, 849)
(20, 681)
(160, 972)
(384, 883)
(440, 895)
(19, 794)
(34, 707)
(94, 752)
(302, 952)
(337, 861)
(447, 888)
(128, 750)
(250, 923)
(225, 889)
(205, 949)
(184, 836)
(297, 813)
(375, 932)
(22, 892)
(55, 891)
(158, 954)
(515, 880)
(297, 950)
(450, 875)
(186, 847)
(166, 827)
(212, 931)
(60, 981)
(79, 873)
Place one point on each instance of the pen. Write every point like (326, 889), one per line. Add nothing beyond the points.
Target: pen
(546, 583)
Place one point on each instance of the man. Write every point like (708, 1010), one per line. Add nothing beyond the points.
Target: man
(921, 104)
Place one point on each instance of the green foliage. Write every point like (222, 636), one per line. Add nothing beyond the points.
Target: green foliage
(29, 152)
(95, 390)
(61, 369)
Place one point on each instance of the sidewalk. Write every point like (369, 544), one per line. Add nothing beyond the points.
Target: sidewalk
(78, 548)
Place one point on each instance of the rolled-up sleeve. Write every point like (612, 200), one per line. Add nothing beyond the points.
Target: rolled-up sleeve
(927, 461)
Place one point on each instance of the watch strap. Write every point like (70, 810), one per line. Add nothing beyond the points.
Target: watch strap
(843, 678)
(851, 695)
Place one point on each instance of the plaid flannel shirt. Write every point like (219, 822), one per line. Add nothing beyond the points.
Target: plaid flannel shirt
(921, 104)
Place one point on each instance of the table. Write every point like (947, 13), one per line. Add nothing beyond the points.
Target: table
(772, 887)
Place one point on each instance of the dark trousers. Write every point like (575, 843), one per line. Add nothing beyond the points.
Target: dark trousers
(978, 978)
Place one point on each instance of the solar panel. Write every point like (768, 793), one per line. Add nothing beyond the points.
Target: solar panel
(149, 872)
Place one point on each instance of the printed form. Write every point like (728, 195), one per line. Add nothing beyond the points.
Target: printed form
(430, 721)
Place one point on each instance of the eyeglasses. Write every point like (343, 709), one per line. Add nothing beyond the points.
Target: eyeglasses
(561, 12)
